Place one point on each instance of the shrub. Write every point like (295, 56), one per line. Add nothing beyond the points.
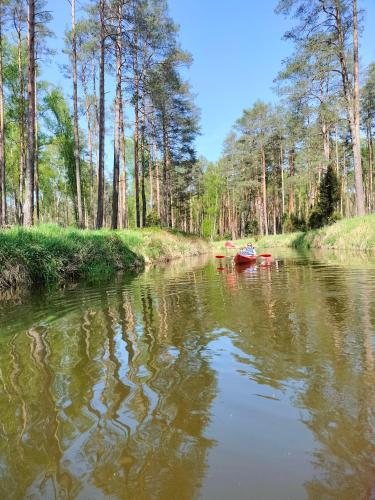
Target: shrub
(293, 223)
(252, 227)
(329, 194)
(153, 219)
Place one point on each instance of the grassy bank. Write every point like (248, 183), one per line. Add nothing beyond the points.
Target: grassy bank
(357, 233)
(50, 254)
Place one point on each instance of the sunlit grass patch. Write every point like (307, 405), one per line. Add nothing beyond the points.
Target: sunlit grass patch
(357, 233)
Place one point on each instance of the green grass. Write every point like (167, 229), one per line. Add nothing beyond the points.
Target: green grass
(357, 233)
(51, 254)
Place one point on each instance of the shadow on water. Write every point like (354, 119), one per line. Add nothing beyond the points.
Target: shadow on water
(186, 381)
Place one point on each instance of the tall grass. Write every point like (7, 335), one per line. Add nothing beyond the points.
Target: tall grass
(50, 254)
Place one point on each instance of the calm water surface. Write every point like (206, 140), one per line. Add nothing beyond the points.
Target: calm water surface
(188, 382)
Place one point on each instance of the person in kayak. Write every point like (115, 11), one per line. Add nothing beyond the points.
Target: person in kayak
(248, 250)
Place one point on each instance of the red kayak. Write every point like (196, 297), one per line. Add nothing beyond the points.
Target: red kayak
(244, 259)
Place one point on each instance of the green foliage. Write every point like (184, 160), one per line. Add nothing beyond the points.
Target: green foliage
(329, 195)
(153, 219)
(61, 126)
(293, 223)
(252, 227)
(213, 187)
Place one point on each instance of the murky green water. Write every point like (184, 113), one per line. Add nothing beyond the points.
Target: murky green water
(189, 382)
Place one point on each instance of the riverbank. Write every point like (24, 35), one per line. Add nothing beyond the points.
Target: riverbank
(357, 233)
(51, 254)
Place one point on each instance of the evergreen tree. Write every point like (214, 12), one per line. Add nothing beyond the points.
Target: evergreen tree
(329, 195)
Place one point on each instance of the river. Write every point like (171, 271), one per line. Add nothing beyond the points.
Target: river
(191, 382)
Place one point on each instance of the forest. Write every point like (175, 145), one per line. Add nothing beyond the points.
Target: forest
(115, 147)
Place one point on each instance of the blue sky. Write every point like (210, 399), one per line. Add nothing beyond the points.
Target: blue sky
(237, 48)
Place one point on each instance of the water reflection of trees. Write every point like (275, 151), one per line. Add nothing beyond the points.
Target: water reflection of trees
(112, 400)
(315, 325)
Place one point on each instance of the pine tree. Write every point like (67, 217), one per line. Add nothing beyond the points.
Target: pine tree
(329, 196)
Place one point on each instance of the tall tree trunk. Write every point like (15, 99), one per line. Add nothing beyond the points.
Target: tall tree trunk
(291, 173)
(117, 144)
(166, 205)
(157, 173)
(21, 104)
(95, 126)
(282, 182)
(337, 151)
(100, 211)
(36, 177)
(360, 202)
(136, 128)
(370, 167)
(326, 144)
(345, 188)
(351, 94)
(3, 204)
(143, 160)
(124, 196)
(30, 167)
(191, 215)
(80, 218)
(264, 191)
(89, 136)
(274, 210)
(151, 176)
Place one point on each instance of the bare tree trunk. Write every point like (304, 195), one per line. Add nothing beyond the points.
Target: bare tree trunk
(345, 187)
(274, 214)
(136, 129)
(191, 214)
(3, 204)
(80, 218)
(157, 173)
(370, 168)
(282, 183)
(21, 104)
(165, 185)
(337, 152)
(36, 177)
(143, 161)
(151, 176)
(326, 144)
(117, 144)
(89, 137)
(30, 167)
(352, 99)
(95, 135)
(264, 191)
(291, 173)
(124, 197)
(100, 211)
(356, 122)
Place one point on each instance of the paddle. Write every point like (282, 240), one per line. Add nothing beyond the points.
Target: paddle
(266, 255)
